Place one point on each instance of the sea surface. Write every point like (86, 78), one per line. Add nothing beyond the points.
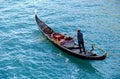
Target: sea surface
(26, 54)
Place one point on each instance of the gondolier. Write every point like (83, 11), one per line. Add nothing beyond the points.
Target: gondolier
(80, 41)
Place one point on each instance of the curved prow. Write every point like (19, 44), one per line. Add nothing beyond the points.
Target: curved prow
(36, 14)
(40, 23)
(35, 11)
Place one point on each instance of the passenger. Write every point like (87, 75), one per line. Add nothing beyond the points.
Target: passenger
(80, 41)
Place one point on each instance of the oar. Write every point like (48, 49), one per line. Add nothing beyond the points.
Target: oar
(95, 46)
(91, 44)
(101, 49)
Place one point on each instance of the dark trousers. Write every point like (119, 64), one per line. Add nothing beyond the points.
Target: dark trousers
(81, 46)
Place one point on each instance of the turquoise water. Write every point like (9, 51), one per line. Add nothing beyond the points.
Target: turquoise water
(26, 54)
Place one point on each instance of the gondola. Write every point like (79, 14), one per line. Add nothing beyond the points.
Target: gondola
(65, 43)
